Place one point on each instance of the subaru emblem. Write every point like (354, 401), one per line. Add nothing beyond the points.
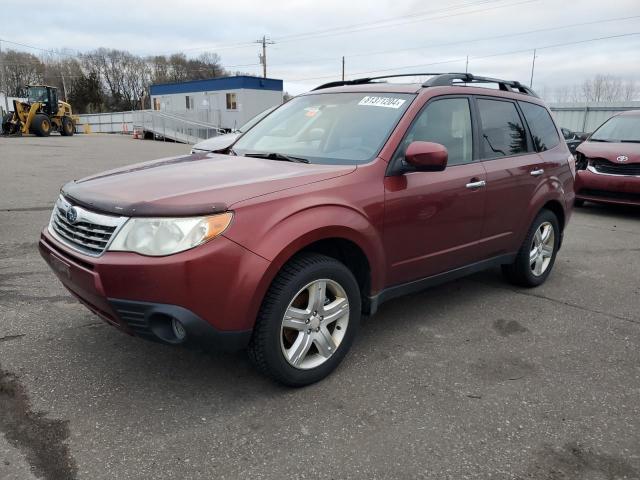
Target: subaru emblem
(72, 215)
(622, 158)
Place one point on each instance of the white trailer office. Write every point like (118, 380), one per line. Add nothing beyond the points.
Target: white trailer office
(226, 102)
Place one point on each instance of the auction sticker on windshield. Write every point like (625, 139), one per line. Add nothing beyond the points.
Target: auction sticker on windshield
(387, 102)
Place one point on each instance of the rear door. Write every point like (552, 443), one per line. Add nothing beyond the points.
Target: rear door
(513, 170)
(434, 219)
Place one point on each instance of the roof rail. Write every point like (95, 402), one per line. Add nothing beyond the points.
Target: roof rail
(360, 81)
(447, 79)
(441, 80)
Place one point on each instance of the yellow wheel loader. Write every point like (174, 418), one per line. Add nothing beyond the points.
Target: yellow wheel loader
(41, 114)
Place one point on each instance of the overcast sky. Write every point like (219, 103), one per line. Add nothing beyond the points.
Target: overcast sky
(381, 37)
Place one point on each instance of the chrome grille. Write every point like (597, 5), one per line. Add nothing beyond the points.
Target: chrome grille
(89, 233)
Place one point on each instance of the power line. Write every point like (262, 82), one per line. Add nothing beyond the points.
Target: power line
(286, 38)
(53, 52)
(365, 28)
(369, 25)
(527, 50)
(460, 42)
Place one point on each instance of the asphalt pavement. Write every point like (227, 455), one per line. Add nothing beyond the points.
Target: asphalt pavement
(472, 379)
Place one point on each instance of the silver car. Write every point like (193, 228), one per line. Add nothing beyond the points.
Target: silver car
(224, 141)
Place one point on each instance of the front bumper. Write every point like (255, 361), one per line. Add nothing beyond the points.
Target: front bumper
(603, 188)
(209, 289)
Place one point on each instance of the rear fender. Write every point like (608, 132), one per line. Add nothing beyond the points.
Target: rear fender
(551, 189)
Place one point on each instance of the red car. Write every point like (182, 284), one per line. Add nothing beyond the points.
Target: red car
(339, 200)
(608, 163)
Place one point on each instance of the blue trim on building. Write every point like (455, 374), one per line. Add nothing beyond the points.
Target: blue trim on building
(222, 83)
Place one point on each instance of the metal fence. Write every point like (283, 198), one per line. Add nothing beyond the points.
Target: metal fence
(113, 122)
(586, 117)
(173, 127)
(159, 124)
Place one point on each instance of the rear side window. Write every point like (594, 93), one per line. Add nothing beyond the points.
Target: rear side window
(543, 130)
(503, 133)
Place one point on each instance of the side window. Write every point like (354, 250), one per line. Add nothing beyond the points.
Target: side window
(543, 130)
(503, 133)
(232, 101)
(447, 122)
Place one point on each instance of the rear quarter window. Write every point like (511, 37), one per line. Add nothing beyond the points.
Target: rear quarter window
(543, 130)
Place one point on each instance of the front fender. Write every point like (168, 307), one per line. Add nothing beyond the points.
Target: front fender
(278, 241)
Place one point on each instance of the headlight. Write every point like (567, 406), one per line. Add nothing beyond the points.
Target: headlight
(165, 236)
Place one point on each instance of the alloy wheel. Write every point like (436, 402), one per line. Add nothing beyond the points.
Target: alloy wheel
(314, 324)
(542, 246)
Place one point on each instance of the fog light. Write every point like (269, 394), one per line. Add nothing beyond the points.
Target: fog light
(178, 329)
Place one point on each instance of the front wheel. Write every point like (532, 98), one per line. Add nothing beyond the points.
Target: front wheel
(307, 321)
(41, 125)
(537, 254)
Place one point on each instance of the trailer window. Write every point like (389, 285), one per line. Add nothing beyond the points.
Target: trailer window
(232, 103)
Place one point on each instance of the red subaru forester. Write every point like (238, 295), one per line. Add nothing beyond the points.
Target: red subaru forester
(342, 198)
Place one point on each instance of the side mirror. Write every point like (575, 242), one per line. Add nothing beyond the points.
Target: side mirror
(427, 156)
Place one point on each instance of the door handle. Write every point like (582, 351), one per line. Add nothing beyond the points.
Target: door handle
(538, 172)
(478, 184)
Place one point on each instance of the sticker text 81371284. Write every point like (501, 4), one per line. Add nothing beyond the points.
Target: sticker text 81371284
(386, 102)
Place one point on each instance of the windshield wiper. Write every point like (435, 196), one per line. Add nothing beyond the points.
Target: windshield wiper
(599, 140)
(629, 141)
(277, 156)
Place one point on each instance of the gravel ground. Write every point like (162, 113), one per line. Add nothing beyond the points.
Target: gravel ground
(473, 379)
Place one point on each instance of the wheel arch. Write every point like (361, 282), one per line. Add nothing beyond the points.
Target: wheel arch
(556, 207)
(352, 241)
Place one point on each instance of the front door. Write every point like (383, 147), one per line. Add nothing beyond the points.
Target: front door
(433, 220)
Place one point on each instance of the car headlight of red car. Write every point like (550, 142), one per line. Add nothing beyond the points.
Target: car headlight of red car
(166, 236)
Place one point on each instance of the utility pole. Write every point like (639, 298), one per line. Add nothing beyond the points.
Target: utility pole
(3, 88)
(64, 85)
(533, 66)
(343, 68)
(263, 58)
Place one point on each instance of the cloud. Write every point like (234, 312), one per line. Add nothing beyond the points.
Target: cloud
(384, 36)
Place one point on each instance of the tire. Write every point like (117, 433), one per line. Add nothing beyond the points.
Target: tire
(578, 202)
(67, 129)
(276, 348)
(7, 128)
(526, 271)
(41, 125)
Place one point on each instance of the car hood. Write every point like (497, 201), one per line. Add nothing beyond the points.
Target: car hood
(192, 185)
(611, 151)
(217, 143)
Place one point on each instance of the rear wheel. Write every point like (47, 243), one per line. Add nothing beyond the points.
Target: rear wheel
(67, 127)
(537, 254)
(41, 125)
(7, 125)
(307, 321)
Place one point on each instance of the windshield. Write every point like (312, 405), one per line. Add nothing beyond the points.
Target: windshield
(247, 126)
(329, 128)
(37, 94)
(621, 128)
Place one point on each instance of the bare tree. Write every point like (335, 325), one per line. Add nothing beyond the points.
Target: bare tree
(630, 91)
(20, 69)
(603, 88)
